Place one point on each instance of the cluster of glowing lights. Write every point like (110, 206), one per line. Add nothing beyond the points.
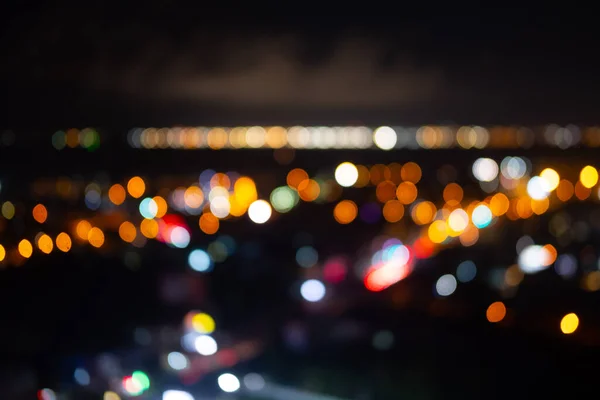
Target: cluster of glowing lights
(87, 138)
(349, 137)
(136, 384)
(535, 258)
(389, 265)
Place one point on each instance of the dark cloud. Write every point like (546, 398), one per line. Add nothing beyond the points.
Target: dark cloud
(271, 72)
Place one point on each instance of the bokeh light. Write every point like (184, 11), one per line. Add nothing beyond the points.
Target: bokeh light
(312, 290)
(496, 312)
(259, 211)
(346, 174)
(569, 323)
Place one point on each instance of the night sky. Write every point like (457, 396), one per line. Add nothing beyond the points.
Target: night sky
(163, 64)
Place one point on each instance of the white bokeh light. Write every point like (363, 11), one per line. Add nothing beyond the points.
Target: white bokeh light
(228, 383)
(220, 206)
(385, 138)
(458, 220)
(254, 382)
(259, 211)
(177, 361)
(205, 345)
(538, 188)
(199, 260)
(445, 285)
(485, 169)
(346, 174)
(176, 395)
(534, 258)
(313, 290)
(179, 237)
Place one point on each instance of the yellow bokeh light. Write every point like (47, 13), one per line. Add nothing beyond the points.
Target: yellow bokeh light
(551, 177)
(25, 248)
(63, 242)
(2, 252)
(45, 244)
(82, 229)
(245, 191)
(96, 237)
(569, 323)
(117, 194)
(136, 187)
(110, 395)
(406, 192)
(149, 228)
(161, 206)
(40, 214)
(423, 213)
(499, 204)
(127, 232)
(588, 176)
(8, 210)
(496, 312)
(236, 208)
(203, 323)
(437, 231)
(209, 224)
(458, 220)
(345, 211)
(393, 211)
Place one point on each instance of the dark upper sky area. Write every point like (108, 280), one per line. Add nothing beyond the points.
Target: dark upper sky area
(156, 64)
